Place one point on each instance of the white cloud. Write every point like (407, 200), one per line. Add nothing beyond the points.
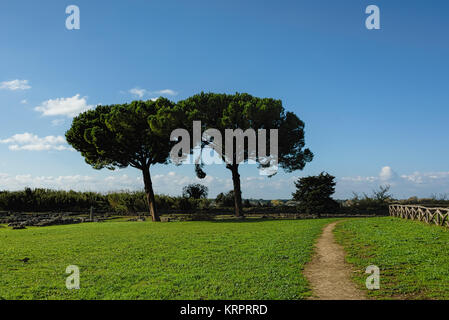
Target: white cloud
(387, 174)
(360, 179)
(427, 178)
(171, 183)
(57, 122)
(138, 92)
(69, 107)
(24, 101)
(421, 184)
(166, 92)
(17, 182)
(15, 85)
(113, 182)
(31, 142)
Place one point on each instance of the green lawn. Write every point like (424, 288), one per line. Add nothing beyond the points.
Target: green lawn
(179, 260)
(413, 257)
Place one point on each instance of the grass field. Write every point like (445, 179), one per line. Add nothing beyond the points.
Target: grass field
(136, 260)
(413, 257)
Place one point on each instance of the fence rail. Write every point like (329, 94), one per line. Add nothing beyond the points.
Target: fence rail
(438, 216)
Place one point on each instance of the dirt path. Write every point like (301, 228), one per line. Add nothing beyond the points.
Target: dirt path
(328, 273)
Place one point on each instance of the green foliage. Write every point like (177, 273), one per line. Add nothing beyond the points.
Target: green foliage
(314, 194)
(42, 200)
(377, 203)
(195, 191)
(276, 203)
(225, 199)
(122, 135)
(188, 260)
(124, 203)
(119, 136)
(184, 204)
(127, 202)
(243, 111)
(135, 202)
(434, 201)
(412, 256)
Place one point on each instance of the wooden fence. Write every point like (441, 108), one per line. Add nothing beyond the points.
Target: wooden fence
(438, 216)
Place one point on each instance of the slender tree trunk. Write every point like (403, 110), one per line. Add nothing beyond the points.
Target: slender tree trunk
(150, 194)
(237, 191)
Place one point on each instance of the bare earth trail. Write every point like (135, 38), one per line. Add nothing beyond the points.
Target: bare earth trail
(328, 273)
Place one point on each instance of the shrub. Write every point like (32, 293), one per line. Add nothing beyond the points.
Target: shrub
(314, 194)
(225, 199)
(195, 191)
(376, 204)
(45, 200)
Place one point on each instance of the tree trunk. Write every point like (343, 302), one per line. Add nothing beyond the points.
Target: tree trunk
(237, 191)
(150, 194)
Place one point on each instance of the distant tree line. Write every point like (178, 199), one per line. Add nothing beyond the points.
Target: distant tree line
(42, 200)
(46, 200)
(313, 196)
(123, 203)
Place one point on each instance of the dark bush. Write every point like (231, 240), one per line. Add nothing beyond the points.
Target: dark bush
(376, 204)
(45, 200)
(225, 199)
(195, 191)
(314, 194)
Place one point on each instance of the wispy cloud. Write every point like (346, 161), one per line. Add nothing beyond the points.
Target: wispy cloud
(15, 85)
(421, 184)
(31, 142)
(57, 122)
(69, 107)
(11, 182)
(24, 101)
(170, 183)
(166, 92)
(140, 93)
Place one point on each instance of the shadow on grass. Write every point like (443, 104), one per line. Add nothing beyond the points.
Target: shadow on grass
(249, 219)
(245, 220)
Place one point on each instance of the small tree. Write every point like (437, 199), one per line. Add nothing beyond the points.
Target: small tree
(195, 191)
(119, 136)
(314, 194)
(382, 195)
(225, 199)
(377, 203)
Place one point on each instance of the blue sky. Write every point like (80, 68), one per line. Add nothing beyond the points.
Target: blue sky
(375, 102)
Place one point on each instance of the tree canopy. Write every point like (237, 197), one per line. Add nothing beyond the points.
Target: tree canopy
(195, 191)
(121, 135)
(243, 111)
(314, 194)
